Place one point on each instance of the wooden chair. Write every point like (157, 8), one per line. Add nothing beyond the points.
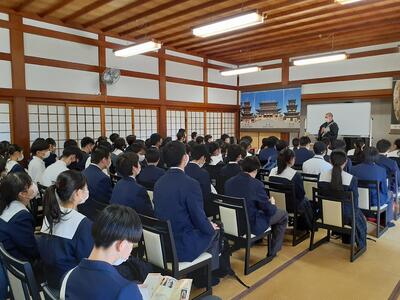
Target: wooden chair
(48, 293)
(310, 181)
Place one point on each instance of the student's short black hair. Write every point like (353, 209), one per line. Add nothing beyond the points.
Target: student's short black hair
(270, 142)
(383, 145)
(193, 135)
(339, 144)
(245, 144)
(207, 137)
(397, 143)
(250, 164)
(113, 137)
(104, 144)
(130, 139)
(39, 144)
(98, 154)
(120, 143)
(213, 146)
(304, 141)
(370, 155)
(14, 148)
(296, 142)
(326, 141)
(51, 142)
(152, 155)
(155, 138)
(199, 139)
(173, 152)
(198, 151)
(281, 145)
(87, 141)
(248, 138)
(224, 136)
(125, 162)
(73, 150)
(69, 143)
(136, 147)
(116, 223)
(180, 134)
(234, 151)
(319, 148)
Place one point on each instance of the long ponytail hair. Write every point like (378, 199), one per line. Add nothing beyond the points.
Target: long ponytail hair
(338, 158)
(284, 157)
(67, 183)
(10, 186)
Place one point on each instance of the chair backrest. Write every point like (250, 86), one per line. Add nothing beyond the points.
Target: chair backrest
(392, 182)
(365, 189)
(20, 276)
(331, 206)
(48, 293)
(159, 243)
(114, 178)
(298, 167)
(310, 181)
(283, 193)
(263, 174)
(92, 208)
(233, 214)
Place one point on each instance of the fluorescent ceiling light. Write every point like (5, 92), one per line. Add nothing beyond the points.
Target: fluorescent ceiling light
(138, 49)
(346, 1)
(240, 71)
(320, 59)
(238, 22)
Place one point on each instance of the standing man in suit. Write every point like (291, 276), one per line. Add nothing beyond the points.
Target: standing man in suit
(329, 129)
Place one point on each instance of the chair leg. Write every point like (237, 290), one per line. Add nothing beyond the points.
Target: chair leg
(248, 268)
(312, 238)
(247, 258)
(208, 290)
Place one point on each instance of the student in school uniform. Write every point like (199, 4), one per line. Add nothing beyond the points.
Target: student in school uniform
(194, 234)
(53, 156)
(355, 154)
(140, 149)
(246, 145)
(234, 155)
(317, 164)
(303, 153)
(87, 145)
(195, 170)
(181, 135)
(15, 155)
(268, 153)
(113, 138)
(104, 144)
(370, 170)
(127, 191)
(262, 213)
(69, 155)
(192, 142)
(215, 154)
(66, 234)
(341, 145)
(283, 173)
(119, 148)
(40, 151)
(114, 233)
(295, 144)
(216, 161)
(148, 176)
(99, 184)
(337, 180)
(389, 164)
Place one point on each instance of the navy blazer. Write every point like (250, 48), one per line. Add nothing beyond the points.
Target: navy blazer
(129, 193)
(259, 208)
(230, 170)
(391, 167)
(149, 175)
(303, 154)
(371, 171)
(80, 165)
(50, 160)
(267, 154)
(17, 168)
(178, 198)
(99, 184)
(201, 175)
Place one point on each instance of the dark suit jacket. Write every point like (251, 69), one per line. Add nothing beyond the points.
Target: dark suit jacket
(303, 154)
(149, 175)
(333, 131)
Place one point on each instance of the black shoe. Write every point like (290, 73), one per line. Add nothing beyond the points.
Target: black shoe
(391, 224)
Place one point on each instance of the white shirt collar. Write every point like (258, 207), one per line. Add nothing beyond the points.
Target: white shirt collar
(232, 162)
(177, 168)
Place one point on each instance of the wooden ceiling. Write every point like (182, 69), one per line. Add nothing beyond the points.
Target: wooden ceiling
(292, 27)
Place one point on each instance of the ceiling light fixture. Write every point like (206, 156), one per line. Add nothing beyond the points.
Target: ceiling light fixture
(238, 22)
(320, 59)
(138, 49)
(239, 71)
(346, 1)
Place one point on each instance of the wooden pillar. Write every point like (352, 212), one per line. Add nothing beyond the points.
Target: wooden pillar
(103, 87)
(163, 94)
(237, 114)
(19, 105)
(285, 71)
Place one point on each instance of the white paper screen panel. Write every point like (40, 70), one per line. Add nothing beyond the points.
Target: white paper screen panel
(5, 74)
(4, 40)
(138, 63)
(118, 120)
(266, 76)
(228, 123)
(184, 92)
(175, 121)
(214, 124)
(222, 96)
(346, 86)
(134, 87)
(215, 77)
(380, 63)
(43, 78)
(185, 71)
(5, 123)
(4, 16)
(195, 122)
(145, 123)
(84, 121)
(344, 116)
(52, 48)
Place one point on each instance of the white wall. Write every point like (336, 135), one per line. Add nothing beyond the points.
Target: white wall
(222, 96)
(4, 40)
(185, 71)
(349, 85)
(184, 92)
(214, 76)
(134, 87)
(138, 63)
(5, 74)
(262, 77)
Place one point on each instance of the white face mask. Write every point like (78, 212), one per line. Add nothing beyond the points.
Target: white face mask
(85, 196)
(141, 157)
(33, 190)
(47, 154)
(119, 261)
(21, 157)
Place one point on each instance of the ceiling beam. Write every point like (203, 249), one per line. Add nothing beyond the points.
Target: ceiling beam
(84, 10)
(60, 4)
(23, 4)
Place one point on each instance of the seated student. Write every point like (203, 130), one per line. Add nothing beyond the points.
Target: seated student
(192, 142)
(195, 170)
(40, 150)
(341, 145)
(337, 180)
(87, 144)
(127, 191)
(17, 225)
(156, 141)
(15, 155)
(104, 144)
(100, 185)
(53, 156)
(317, 164)
(262, 213)
(225, 138)
(283, 173)
(130, 139)
(69, 155)
(70, 143)
(149, 175)
(303, 154)
(246, 145)
(234, 155)
(200, 139)
(356, 154)
(113, 138)
(396, 151)
(268, 154)
(390, 165)
(215, 154)
(327, 142)
(119, 148)
(369, 170)
(295, 144)
(281, 145)
(114, 234)
(66, 237)
(140, 149)
(194, 234)
(181, 135)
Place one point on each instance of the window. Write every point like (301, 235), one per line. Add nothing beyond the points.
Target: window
(175, 121)
(228, 123)
(195, 122)
(214, 124)
(144, 123)
(47, 121)
(118, 120)
(5, 123)
(84, 121)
